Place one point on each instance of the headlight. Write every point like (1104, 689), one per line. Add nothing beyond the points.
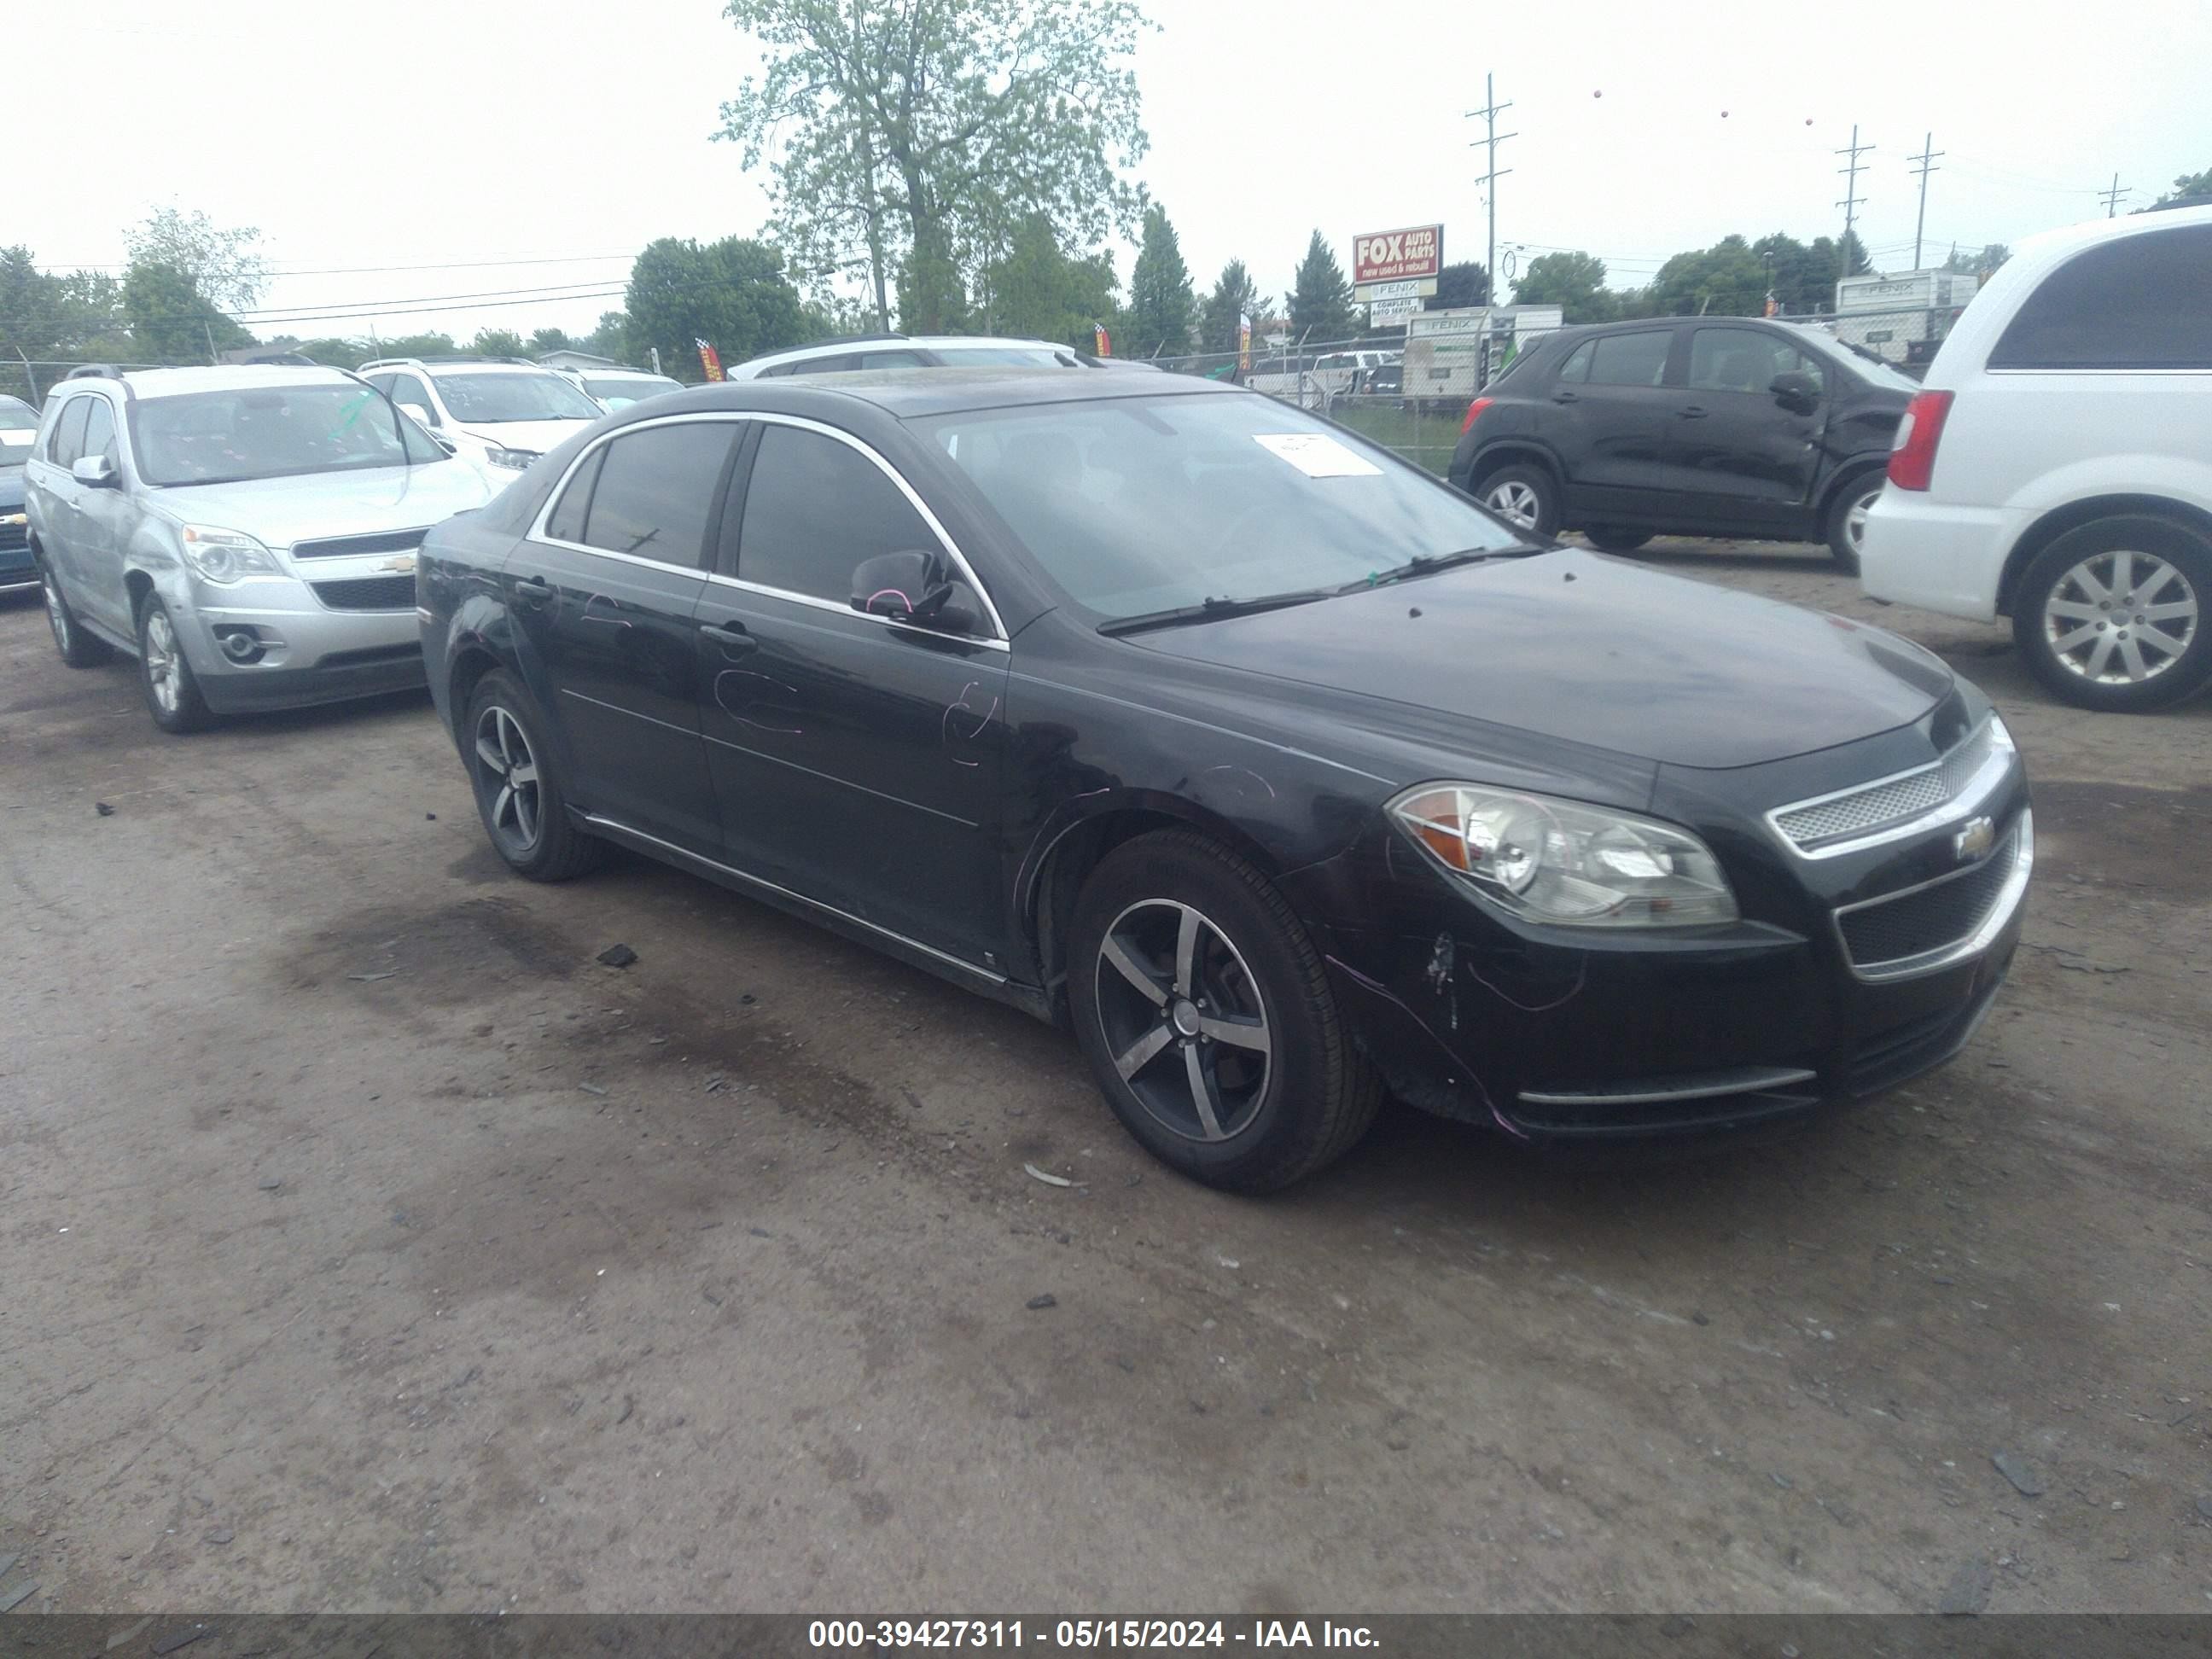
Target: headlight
(1561, 862)
(225, 556)
(516, 459)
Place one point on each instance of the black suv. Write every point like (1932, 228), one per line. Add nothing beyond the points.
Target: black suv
(1685, 425)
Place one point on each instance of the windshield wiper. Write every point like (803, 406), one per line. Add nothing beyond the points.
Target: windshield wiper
(1212, 610)
(1427, 564)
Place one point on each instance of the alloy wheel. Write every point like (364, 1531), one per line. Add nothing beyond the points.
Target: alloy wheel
(2120, 617)
(509, 778)
(163, 672)
(1854, 518)
(1184, 1020)
(1513, 499)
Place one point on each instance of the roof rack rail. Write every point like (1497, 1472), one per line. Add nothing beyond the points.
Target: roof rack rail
(104, 372)
(833, 340)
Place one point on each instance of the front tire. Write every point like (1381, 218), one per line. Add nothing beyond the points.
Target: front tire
(2113, 616)
(1616, 539)
(78, 648)
(519, 790)
(1525, 496)
(171, 689)
(1207, 1019)
(1847, 519)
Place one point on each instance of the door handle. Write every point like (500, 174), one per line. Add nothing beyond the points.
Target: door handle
(1692, 413)
(733, 640)
(1565, 398)
(534, 591)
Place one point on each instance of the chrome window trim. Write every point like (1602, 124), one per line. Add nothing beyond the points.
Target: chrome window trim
(1978, 788)
(1929, 961)
(997, 639)
(985, 975)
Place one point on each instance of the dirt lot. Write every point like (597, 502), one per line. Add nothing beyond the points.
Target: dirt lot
(365, 1244)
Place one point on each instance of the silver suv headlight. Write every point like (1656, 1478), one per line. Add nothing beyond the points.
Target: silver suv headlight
(1564, 863)
(225, 557)
(516, 460)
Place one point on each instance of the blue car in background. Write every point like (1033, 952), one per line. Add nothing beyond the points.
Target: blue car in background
(19, 425)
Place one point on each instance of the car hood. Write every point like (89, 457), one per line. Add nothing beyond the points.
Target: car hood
(1593, 651)
(283, 510)
(536, 436)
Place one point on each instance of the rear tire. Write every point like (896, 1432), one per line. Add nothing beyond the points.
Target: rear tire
(78, 648)
(171, 689)
(1524, 496)
(1616, 538)
(519, 791)
(1846, 528)
(1207, 1017)
(2090, 648)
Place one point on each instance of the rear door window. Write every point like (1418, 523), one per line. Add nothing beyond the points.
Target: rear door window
(655, 492)
(1631, 359)
(2141, 302)
(1742, 360)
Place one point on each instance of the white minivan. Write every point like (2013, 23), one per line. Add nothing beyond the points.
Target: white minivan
(2055, 467)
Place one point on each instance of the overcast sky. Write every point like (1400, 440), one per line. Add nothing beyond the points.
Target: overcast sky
(503, 146)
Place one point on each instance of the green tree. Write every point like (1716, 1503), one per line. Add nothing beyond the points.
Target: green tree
(172, 320)
(498, 342)
(1725, 280)
(1036, 289)
(416, 345)
(225, 266)
(913, 136)
(1320, 299)
(543, 340)
(1466, 284)
(1161, 303)
(2190, 190)
(1235, 296)
(731, 293)
(1573, 282)
(611, 337)
(336, 350)
(1992, 255)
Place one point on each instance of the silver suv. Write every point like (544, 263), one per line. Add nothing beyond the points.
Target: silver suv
(247, 533)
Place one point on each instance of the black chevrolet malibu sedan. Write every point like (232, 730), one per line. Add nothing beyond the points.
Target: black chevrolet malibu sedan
(1281, 772)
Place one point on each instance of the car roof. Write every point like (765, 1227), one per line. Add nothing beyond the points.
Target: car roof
(229, 377)
(908, 393)
(839, 347)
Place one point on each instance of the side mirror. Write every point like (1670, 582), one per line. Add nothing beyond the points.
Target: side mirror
(910, 587)
(94, 472)
(1795, 390)
(445, 443)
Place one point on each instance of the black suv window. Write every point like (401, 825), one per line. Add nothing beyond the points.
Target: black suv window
(814, 509)
(656, 491)
(1577, 368)
(1741, 359)
(67, 441)
(2144, 302)
(1631, 359)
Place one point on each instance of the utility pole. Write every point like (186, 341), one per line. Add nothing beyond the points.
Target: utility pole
(1852, 199)
(1926, 160)
(2112, 195)
(1491, 140)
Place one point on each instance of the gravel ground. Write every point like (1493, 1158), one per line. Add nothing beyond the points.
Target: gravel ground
(367, 1245)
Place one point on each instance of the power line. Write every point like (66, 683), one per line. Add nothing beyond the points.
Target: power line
(278, 273)
(1491, 140)
(2111, 197)
(1852, 199)
(1926, 160)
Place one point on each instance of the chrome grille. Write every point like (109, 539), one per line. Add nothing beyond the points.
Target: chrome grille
(341, 547)
(1893, 800)
(1885, 933)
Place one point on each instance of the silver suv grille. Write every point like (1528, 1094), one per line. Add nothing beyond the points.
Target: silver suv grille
(1813, 824)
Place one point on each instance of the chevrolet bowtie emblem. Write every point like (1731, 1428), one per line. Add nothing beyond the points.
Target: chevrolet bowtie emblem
(402, 565)
(1974, 838)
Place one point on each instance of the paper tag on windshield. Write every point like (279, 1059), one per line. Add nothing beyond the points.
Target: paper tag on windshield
(1316, 454)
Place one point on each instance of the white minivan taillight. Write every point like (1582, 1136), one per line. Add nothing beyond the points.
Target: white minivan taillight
(1913, 458)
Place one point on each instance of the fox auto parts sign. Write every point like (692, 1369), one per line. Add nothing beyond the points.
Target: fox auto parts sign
(1390, 256)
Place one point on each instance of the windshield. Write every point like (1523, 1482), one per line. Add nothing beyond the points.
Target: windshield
(492, 398)
(271, 432)
(621, 391)
(1139, 505)
(1866, 365)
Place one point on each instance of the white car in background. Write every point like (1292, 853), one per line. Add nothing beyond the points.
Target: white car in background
(498, 413)
(859, 351)
(2055, 467)
(613, 389)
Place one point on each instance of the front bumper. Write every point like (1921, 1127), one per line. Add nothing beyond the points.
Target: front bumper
(304, 652)
(1850, 975)
(17, 568)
